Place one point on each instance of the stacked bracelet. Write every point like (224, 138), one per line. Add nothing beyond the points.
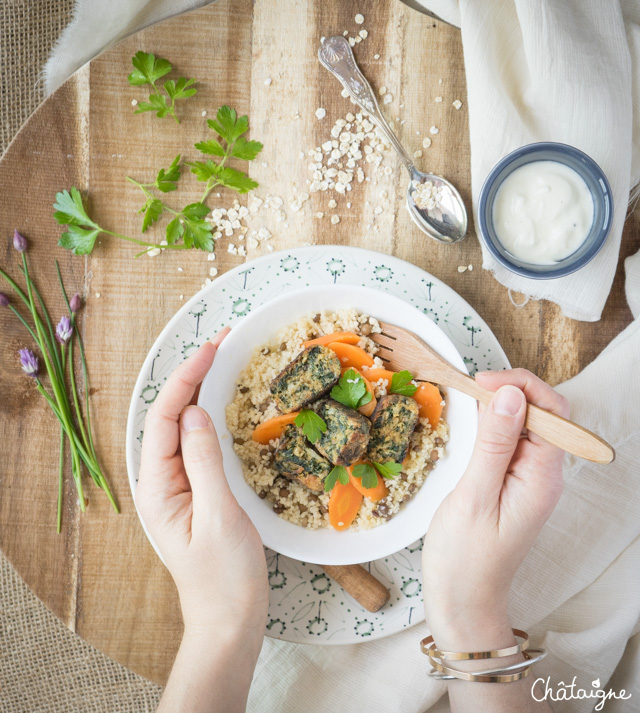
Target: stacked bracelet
(506, 674)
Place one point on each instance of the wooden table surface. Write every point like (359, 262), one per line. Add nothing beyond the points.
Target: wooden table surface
(101, 576)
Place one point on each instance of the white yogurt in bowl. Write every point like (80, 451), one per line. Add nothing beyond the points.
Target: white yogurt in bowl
(543, 212)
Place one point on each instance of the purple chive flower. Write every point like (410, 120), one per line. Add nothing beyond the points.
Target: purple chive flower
(4, 300)
(64, 330)
(19, 242)
(76, 303)
(30, 363)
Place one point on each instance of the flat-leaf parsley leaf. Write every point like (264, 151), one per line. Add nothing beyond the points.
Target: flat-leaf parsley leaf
(338, 474)
(69, 209)
(401, 384)
(312, 425)
(148, 70)
(228, 124)
(368, 474)
(152, 211)
(167, 181)
(229, 127)
(388, 470)
(351, 391)
(157, 103)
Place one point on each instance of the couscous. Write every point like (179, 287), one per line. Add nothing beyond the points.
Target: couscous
(277, 469)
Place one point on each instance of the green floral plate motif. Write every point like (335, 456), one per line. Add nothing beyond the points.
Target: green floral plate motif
(305, 605)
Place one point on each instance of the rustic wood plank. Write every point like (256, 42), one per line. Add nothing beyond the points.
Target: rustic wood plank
(45, 147)
(137, 297)
(115, 591)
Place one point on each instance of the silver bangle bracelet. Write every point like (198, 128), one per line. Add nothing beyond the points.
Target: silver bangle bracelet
(516, 667)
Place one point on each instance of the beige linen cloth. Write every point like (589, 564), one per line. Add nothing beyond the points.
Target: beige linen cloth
(565, 71)
(544, 70)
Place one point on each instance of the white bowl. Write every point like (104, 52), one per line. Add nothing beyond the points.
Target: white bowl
(326, 545)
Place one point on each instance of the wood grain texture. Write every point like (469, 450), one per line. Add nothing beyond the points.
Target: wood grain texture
(100, 575)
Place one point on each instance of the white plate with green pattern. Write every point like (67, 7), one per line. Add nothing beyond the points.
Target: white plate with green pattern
(305, 605)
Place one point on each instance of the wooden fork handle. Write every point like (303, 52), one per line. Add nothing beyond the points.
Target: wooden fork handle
(556, 430)
(360, 584)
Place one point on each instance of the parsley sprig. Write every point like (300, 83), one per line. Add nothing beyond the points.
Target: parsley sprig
(401, 384)
(148, 69)
(312, 425)
(351, 390)
(338, 474)
(230, 129)
(187, 224)
(367, 471)
(82, 232)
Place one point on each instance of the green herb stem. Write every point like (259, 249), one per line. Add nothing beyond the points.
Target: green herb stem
(209, 188)
(51, 342)
(74, 393)
(91, 461)
(86, 385)
(62, 409)
(61, 461)
(142, 186)
(60, 481)
(78, 336)
(19, 316)
(56, 379)
(71, 435)
(165, 247)
(173, 103)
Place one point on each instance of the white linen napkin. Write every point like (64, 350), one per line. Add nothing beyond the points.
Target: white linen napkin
(564, 71)
(577, 592)
(97, 25)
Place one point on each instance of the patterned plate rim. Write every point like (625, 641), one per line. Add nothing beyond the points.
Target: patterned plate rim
(361, 255)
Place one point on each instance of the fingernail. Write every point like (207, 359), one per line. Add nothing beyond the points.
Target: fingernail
(194, 418)
(508, 401)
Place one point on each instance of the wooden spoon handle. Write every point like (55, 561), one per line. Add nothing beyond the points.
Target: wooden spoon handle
(360, 584)
(557, 430)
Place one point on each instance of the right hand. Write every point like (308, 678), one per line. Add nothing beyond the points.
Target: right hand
(483, 530)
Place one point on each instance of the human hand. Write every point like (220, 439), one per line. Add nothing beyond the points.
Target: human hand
(208, 543)
(483, 530)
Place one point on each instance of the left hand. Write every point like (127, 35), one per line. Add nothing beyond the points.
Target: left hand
(208, 543)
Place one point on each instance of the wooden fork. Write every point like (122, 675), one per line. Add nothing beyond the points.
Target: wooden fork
(401, 349)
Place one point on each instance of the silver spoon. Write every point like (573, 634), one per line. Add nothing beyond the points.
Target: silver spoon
(441, 215)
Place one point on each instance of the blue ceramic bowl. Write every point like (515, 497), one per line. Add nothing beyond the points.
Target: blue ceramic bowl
(597, 183)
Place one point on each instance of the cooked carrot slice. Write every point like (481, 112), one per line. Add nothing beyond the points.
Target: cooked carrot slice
(273, 428)
(344, 504)
(376, 374)
(377, 493)
(367, 409)
(351, 356)
(429, 398)
(343, 337)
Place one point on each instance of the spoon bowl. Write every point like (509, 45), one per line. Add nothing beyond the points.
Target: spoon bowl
(436, 207)
(441, 215)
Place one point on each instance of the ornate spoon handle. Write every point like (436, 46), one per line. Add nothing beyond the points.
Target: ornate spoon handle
(335, 54)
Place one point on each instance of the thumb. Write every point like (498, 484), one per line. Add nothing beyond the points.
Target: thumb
(498, 435)
(202, 458)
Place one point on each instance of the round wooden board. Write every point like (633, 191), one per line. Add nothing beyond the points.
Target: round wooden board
(100, 576)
